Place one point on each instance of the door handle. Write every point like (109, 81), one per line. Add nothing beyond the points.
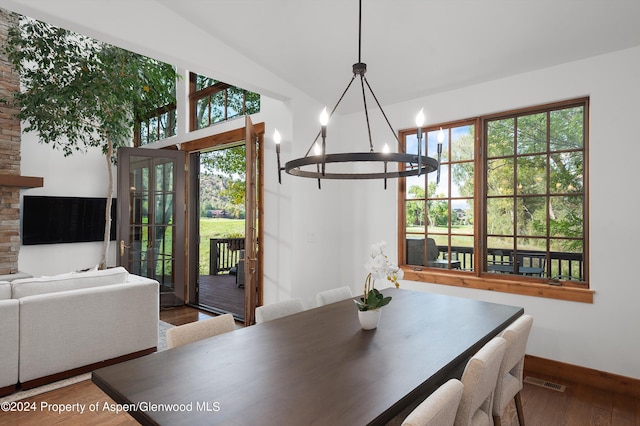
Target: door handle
(122, 247)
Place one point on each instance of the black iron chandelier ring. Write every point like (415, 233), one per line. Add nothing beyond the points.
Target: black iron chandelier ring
(427, 165)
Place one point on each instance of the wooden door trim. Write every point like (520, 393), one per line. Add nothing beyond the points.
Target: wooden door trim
(212, 141)
(224, 138)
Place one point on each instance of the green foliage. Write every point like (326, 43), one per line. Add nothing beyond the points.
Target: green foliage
(228, 164)
(374, 300)
(79, 92)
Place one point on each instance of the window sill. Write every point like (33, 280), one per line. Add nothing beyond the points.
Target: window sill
(499, 284)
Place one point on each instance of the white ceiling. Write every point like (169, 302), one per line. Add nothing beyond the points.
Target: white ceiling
(412, 47)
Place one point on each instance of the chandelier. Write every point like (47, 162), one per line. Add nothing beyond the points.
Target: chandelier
(317, 165)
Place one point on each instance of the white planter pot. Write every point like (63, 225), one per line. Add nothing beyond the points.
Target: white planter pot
(369, 319)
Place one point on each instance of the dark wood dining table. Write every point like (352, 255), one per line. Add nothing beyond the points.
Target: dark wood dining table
(315, 367)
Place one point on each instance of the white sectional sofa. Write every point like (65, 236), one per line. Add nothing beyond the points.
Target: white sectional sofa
(73, 323)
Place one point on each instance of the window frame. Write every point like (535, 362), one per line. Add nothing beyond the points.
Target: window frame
(477, 278)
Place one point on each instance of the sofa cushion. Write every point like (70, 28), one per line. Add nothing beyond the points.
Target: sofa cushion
(65, 282)
(5, 290)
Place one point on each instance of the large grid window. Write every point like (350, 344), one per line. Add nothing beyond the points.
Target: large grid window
(509, 202)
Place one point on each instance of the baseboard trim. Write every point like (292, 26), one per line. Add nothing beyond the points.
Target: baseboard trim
(7, 390)
(535, 366)
(29, 384)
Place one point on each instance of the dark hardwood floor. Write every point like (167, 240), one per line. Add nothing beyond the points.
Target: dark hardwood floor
(222, 293)
(183, 315)
(578, 405)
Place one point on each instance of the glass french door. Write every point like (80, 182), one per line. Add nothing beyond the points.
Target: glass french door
(151, 218)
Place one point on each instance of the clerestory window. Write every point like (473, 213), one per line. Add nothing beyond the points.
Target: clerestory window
(213, 101)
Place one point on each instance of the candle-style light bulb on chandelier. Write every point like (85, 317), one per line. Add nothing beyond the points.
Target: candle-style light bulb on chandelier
(316, 166)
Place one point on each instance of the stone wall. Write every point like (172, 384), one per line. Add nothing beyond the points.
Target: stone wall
(9, 158)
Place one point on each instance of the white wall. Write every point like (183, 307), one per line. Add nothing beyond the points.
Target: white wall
(79, 175)
(604, 335)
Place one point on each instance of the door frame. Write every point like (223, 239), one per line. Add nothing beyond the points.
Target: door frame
(205, 143)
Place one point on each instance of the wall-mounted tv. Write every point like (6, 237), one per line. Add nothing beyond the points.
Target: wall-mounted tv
(55, 220)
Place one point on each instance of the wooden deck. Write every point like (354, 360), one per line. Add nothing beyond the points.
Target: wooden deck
(220, 294)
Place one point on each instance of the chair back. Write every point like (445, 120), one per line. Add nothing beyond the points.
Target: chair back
(278, 310)
(440, 408)
(510, 375)
(194, 331)
(333, 295)
(432, 250)
(479, 379)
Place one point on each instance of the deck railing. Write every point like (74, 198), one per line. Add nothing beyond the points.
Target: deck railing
(224, 254)
(561, 265)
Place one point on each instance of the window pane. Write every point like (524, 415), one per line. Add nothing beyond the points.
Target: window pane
(532, 174)
(416, 251)
(203, 82)
(438, 216)
(462, 143)
(567, 128)
(462, 180)
(500, 138)
(441, 189)
(500, 246)
(153, 129)
(500, 177)
(411, 144)
(532, 216)
(415, 187)
(566, 172)
(500, 216)
(462, 216)
(415, 216)
(432, 146)
(566, 216)
(144, 133)
(462, 251)
(252, 103)
(218, 107)
(162, 123)
(532, 133)
(235, 102)
(202, 113)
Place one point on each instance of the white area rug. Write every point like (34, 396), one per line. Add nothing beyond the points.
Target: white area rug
(162, 346)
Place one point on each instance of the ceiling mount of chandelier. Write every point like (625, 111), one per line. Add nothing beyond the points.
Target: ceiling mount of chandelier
(316, 166)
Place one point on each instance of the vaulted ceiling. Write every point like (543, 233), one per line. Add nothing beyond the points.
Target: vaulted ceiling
(412, 47)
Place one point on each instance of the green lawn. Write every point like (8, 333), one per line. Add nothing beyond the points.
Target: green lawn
(216, 228)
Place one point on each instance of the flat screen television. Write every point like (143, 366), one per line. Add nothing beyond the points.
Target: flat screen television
(55, 220)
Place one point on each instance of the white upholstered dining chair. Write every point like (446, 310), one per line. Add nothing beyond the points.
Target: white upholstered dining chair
(278, 310)
(194, 331)
(479, 379)
(333, 295)
(510, 376)
(440, 408)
